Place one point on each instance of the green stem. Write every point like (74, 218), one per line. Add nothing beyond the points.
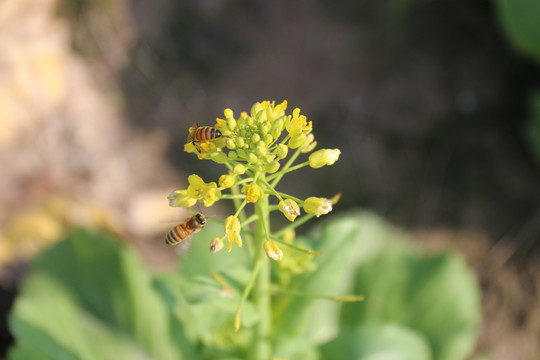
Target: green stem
(260, 349)
(284, 171)
(287, 196)
(277, 176)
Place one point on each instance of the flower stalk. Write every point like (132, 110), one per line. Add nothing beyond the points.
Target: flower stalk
(251, 147)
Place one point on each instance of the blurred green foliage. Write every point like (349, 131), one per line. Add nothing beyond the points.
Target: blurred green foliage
(90, 297)
(520, 21)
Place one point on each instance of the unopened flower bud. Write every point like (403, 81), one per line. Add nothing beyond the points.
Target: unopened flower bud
(239, 169)
(216, 245)
(230, 144)
(272, 250)
(317, 206)
(255, 109)
(226, 181)
(253, 192)
(297, 141)
(219, 156)
(272, 167)
(323, 157)
(289, 236)
(289, 208)
(282, 151)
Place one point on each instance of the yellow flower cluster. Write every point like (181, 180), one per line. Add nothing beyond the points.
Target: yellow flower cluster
(252, 146)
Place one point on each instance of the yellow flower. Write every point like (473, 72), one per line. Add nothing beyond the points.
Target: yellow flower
(289, 208)
(226, 181)
(272, 250)
(181, 198)
(196, 186)
(210, 195)
(205, 193)
(298, 124)
(232, 232)
(317, 206)
(253, 192)
(323, 157)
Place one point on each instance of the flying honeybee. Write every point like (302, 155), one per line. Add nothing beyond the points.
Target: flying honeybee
(185, 230)
(202, 134)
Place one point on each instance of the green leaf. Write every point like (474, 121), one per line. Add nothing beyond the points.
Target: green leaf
(91, 298)
(344, 242)
(377, 342)
(437, 296)
(519, 18)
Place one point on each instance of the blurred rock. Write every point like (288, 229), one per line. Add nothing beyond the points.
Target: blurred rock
(66, 154)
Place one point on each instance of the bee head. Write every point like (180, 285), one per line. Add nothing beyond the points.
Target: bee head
(201, 219)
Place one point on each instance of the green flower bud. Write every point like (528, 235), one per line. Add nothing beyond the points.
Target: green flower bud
(252, 158)
(272, 167)
(239, 169)
(282, 151)
(241, 153)
(240, 142)
(268, 138)
(255, 138)
(231, 123)
(231, 144)
(228, 114)
(233, 155)
(256, 108)
(219, 156)
(261, 116)
(264, 128)
(297, 141)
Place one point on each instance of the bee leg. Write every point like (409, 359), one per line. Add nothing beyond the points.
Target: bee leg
(195, 143)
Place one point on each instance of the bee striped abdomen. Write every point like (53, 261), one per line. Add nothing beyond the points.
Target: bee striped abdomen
(181, 232)
(177, 235)
(207, 133)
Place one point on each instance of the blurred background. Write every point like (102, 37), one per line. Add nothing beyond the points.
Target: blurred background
(435, 105)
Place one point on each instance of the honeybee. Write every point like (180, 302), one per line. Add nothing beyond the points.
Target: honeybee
(185, 230)
(204, 133)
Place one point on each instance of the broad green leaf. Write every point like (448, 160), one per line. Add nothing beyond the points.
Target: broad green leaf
(377, 342)
(519, 18)
(344, 242)
(435, 295)
(90, 297)
(207, 309)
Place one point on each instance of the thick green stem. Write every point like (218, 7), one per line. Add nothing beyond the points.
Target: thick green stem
(261, 349)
